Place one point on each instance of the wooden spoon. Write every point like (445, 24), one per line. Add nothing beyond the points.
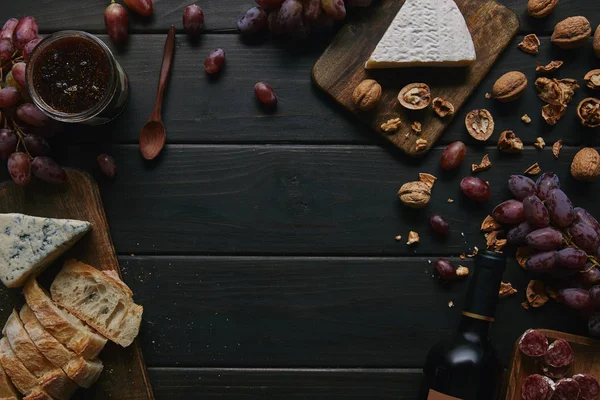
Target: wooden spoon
(153, 134)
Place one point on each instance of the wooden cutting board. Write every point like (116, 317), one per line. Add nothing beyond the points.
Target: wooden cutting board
(124, 376)
(587, 361)
(341, 68)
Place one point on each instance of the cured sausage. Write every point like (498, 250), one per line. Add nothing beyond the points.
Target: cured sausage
(590, 389)
(559, 354)
(566, 389)
(533, 344)
(537, 387)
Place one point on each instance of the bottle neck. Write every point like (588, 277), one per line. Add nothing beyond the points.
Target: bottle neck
(482, 295)
(474, 329)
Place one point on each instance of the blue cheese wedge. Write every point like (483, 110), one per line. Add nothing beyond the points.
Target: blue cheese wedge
(425, 33)
(29, 244)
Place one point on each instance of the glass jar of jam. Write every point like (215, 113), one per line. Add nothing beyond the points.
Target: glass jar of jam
(72, 76)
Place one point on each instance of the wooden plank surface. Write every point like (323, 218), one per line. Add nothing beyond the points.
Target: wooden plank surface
(124, 376)
(341, 68)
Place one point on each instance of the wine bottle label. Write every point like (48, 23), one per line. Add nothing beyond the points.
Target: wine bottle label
(433, 395)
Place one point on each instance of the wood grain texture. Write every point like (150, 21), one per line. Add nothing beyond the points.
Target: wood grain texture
(124, 376)
(311, 312)
(587, 361)
(341, 68)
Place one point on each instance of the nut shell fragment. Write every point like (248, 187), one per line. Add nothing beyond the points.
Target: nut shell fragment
(586, 165)
(489, 224)
(480, 124)
(553, 113)
(367, 94)
(415, 96)
(536, 294)
(506, 290)
(556, 147)
(533, 170)
(510, 143)
(415, 194)
(484, 165)
(522, 255)
(588, 112)
(550, 67)
(554, 91)
(541, 8)
(530, 44)
(427, 179)
(572, 32)
(592, 79)
(442, 107)
(596, 43)
(509, 86)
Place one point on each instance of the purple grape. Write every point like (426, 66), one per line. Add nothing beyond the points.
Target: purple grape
(585, 217)
(516, 236)
(560, 208)
(572, 258)
(214, 61)
(289, 17)
(8, 143)
(311, 9)
(544, 239)
(254, 21)
(578, 299)
(48, 170)
(445, 270)
(18, 72)
(36, 145)
(32, 115)
(25, 31)
(542, 262)
(536, 212)
(595, 295)
(269, 4)
(107, 165)
(585, 237)
(6, 50)
(19, 167)
(590, 276)
(521, 186)
(116, 20)
(475, 189)
(545, 183)
(28, 49)
(193, 20)
(9, 97)
(594, 325)
(8, 29)
(335, 9)
(439, 224)
(510, 212)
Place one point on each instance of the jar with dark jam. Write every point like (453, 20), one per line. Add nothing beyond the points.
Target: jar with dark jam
(73, 77)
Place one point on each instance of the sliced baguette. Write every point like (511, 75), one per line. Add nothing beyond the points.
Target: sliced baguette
(100, 299)
(7, 389)
(52, 379)
(83, 372)
(20, 376)
(66, 328)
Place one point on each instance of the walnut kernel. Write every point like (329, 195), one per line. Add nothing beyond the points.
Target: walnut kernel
(556, 147)
(539, 143)
(526, 118)
(588, 111)
(442, 107)
(510, 143)
(592, 79)
(530, 44)
(391, 125)
(484, 165)
(415, 96)
(416, 127)
(480, 124)
(367, 94)
(421, 144)
(415, 194)
(413, 237)
(462, 271)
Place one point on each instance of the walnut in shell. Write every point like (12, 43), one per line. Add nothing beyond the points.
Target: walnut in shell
(541, 8)
(530, 44)
(548, 68)
(572, 32)
(592, 79)
(509, 86)
(415, 96)
(588, 111)
(367, 94)
(510, 143)
(596, 43)
(586, 165)
(480, 124)
(415, 194)
(553, 113)
(442, 107)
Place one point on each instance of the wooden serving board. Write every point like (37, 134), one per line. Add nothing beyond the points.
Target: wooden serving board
(587, 361)
(124, 376)
(341, 68)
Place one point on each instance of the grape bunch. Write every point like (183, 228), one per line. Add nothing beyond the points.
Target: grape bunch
(295, 18)
(562, 241)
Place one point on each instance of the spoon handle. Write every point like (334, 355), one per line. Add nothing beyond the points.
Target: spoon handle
(165, 69)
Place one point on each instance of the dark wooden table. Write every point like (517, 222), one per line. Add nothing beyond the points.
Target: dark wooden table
(262, 246)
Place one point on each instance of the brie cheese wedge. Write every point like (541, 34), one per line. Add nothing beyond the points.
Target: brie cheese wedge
(29, 244)
(425, 33)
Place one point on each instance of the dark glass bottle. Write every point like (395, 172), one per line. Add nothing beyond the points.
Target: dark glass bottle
(466, 366)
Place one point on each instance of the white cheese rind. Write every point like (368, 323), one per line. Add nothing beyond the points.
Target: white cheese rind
(29, 244)
(425, 33)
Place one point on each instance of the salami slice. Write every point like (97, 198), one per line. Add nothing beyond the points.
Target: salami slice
(533, 344)
(537, 387)
(590, 389)
(559, 354)
(566, 389)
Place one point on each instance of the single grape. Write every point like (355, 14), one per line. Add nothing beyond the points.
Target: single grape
(28, 49)
(536, 212)
(595, 295)
(590, 276)
(453, 155)
(214, 61)
(9, 97)
(193, 20)
(142, 7)
(18, 72)
(585, 237)
(32, 115)
(516, 236)
(509, 212)
(439, 224)
(521, 186)
(289, 17)
(19, 167)
(560, 208)
(545, 239)
(265, 94)
(48, 170)
(8, 143)
(116, 20)
(269, 4)
(25, 31)
(578, 299)
(253, 22)
(475, 189)
(445, 270)
(36, 145)
(594, 325)
(334, 9)
(8, 29)
(6, 50)
(572, 258)
(311, 9)
(358, 3)
(545, 183)
(107, 165)
(542, 262)
(585, 217)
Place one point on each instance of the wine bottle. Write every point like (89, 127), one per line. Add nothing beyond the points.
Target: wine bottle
(466, 366)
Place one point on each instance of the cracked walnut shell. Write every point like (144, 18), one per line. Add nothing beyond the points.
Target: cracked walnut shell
(415, 96)
(556, 147)
(553, 113)
(530, 44)
(550, 67)
(536, 294)
(510, 143)
(480, 124)
(592, 79)
(541, 8)
(415, 194)
(588, 111)
(586, 165)
(442, 107)
(572, 32)
(484, 165)
(509, 86)
(367, 94)
(596, 43)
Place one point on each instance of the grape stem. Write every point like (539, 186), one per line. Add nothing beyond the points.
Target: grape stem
(569, 242)
(20, 134)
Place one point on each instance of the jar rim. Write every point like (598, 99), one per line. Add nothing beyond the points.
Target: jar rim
(71, 117)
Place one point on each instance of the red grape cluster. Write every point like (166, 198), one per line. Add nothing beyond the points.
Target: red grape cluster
(563, 241)
(296, 18)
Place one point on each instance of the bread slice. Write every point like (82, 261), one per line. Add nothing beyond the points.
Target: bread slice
(52, 379)
(83, 372)
(23, 380)
(66, 328)
(7, 389)
(99, 298)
